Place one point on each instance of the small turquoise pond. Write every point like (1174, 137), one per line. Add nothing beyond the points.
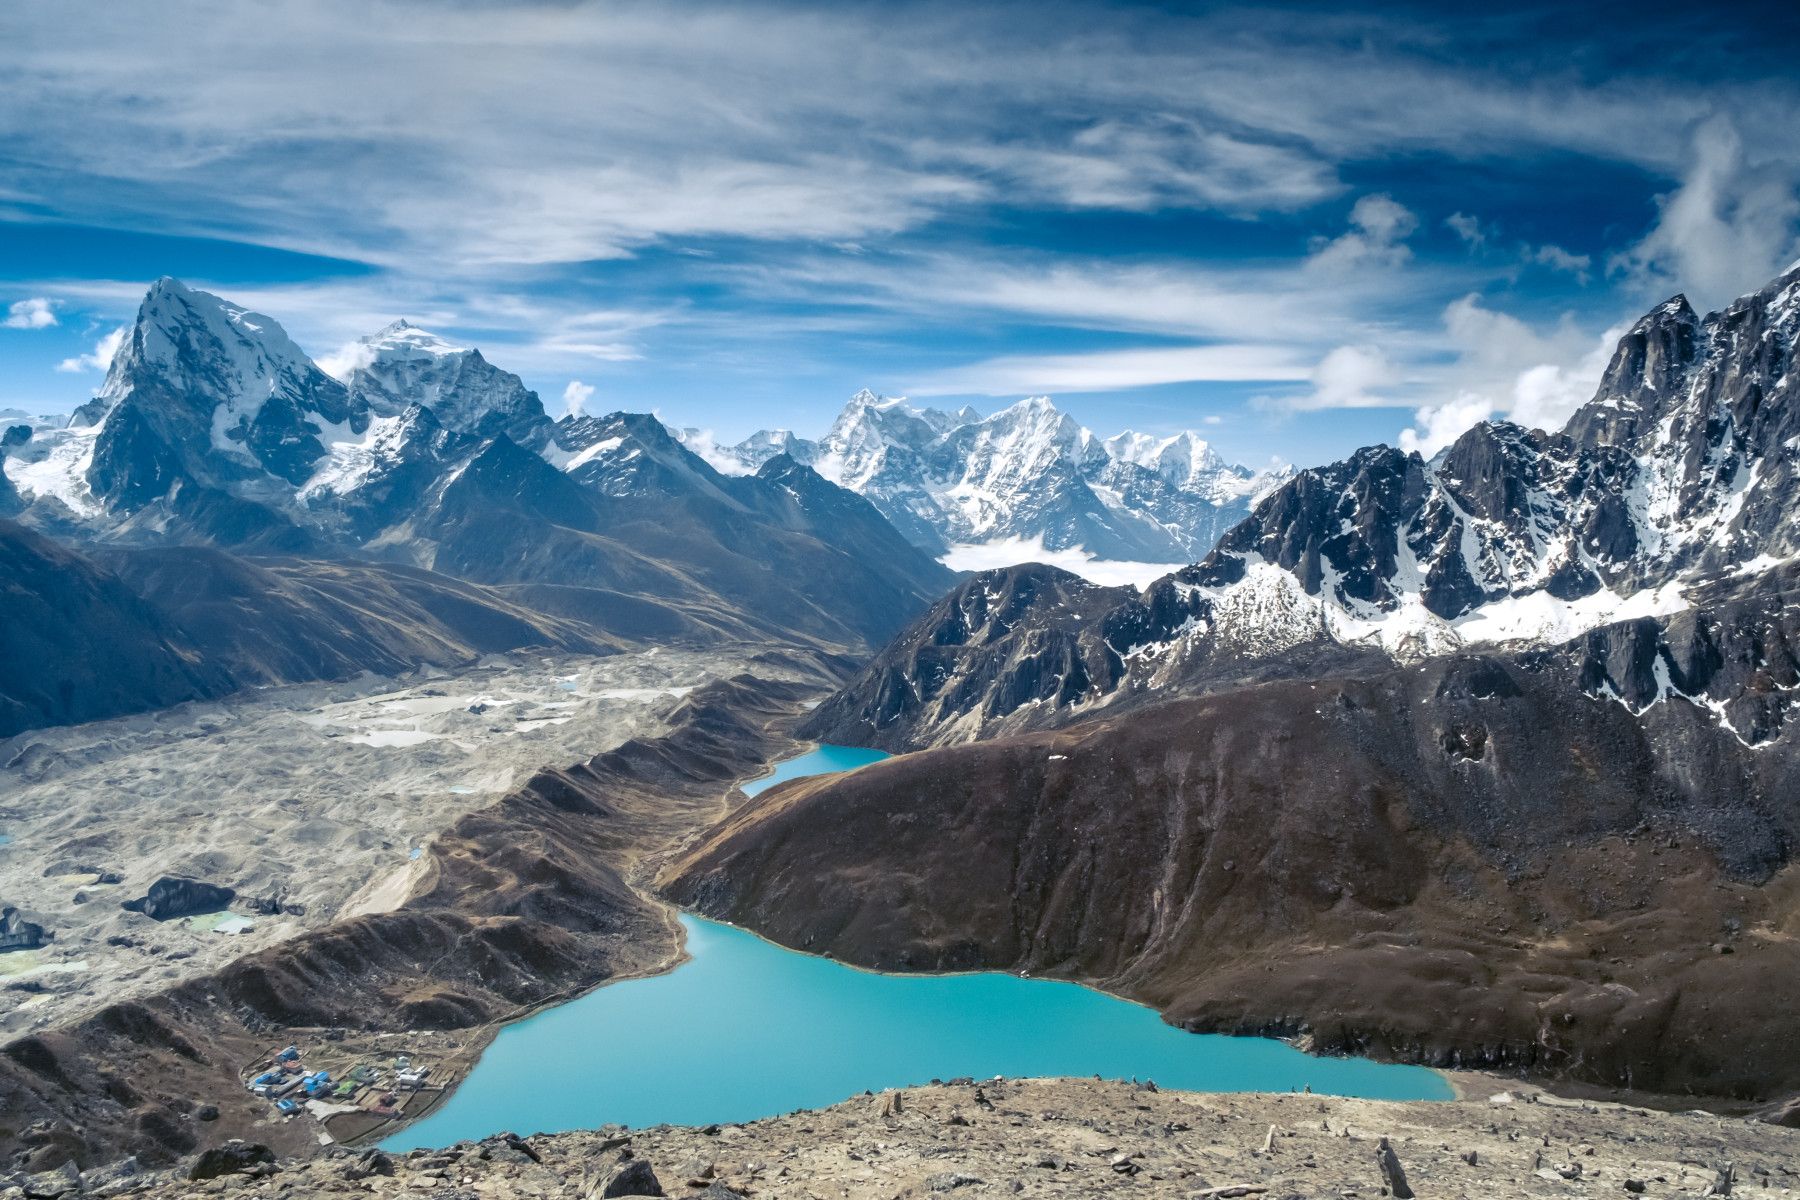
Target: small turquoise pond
(747, 1029)
(823, 761)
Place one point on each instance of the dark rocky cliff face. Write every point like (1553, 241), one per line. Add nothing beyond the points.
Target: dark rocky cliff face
(1485, 860)
(1679, 473)
(204, 394)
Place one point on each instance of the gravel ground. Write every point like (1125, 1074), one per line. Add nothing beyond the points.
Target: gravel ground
(1081, 1138)
(320, 795)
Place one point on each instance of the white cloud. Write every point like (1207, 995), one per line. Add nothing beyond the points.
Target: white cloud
(33, 313)
(346, 360)
(1728, 228)
(1437, 425)
(1379, 227)
(575, 397)
(1348, 377)
(1108, 370)
(1504, 367)
(1007, 552)
(1558, 259)
(100, 358)
(1467, 228)
(521, 133)
(705, 443)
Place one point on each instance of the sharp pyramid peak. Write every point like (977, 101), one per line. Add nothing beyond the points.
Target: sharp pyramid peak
(403, 335)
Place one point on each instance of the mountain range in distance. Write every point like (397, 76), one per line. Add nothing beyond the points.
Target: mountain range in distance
(1026, 478)
(1670, 490)
(206, 393)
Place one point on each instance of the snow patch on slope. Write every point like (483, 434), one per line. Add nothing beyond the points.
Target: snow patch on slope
(54, 464)
(1008, 552)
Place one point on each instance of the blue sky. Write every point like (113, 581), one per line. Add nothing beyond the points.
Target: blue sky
(1296, 229)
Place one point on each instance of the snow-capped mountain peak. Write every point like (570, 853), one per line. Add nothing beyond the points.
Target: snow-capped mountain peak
(212, 351)
(403, 365)
(402, 338)
(1029, 473)
(1179, 458)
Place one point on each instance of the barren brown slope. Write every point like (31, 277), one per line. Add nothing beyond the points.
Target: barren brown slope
(529, 900)
(1467, 863)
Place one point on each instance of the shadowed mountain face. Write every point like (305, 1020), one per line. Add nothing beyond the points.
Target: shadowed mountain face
(214, 429)
(1679, 473)
(77, 644)
(1473, 861)
(271, 621)
(132, 630)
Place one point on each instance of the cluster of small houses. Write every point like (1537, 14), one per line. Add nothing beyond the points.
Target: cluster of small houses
(292, 1087)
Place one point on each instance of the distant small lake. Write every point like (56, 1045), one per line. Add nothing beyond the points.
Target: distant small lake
(747, 1029)
(826, 760)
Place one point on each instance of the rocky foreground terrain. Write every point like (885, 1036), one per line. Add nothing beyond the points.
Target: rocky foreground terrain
(1048, 1138)
(513, 905)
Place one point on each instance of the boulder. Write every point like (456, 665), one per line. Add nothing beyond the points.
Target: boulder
(370, 1162)
(47, 1185)
(234, 1157)
(633, 1177)
(16, 933)
(172, 896)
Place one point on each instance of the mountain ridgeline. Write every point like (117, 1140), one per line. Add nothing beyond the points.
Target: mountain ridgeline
(424, 467)
(1483, 761)
(1677, 480)
(1028, 472)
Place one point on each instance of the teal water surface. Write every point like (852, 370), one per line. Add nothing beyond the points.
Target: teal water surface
(823, 761)
(746, 1029)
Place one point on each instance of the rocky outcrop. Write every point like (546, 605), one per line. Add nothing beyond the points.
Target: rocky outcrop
(171, 897)
(16, 933)
(233, 1158)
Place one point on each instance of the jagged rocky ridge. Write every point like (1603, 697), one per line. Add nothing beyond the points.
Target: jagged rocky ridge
(1481, 860)
(1677, 478)
(213, 428)
(1029, 472)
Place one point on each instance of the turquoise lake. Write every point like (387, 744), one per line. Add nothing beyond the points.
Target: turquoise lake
(823, 761)
(747, 1029)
